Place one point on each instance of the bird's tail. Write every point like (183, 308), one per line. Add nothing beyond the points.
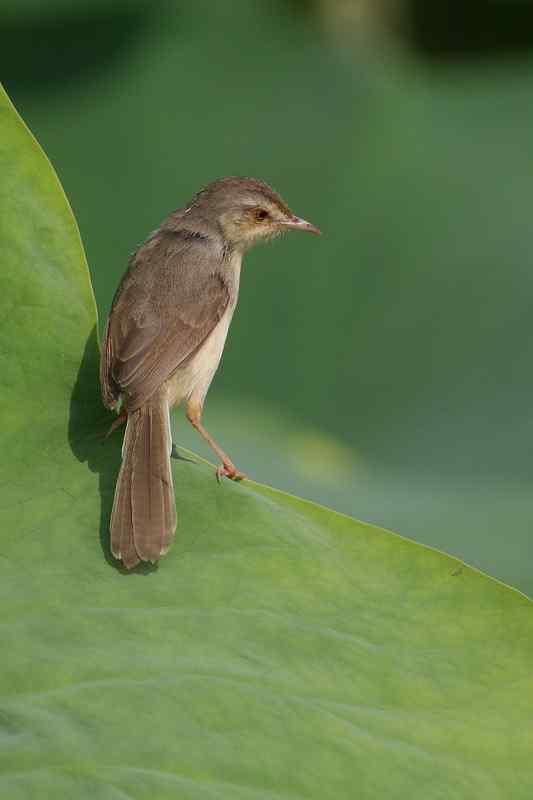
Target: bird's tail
(143, 519)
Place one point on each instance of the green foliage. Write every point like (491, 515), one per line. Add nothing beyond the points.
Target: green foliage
(280, 650)
(404, 332)
(37, 12)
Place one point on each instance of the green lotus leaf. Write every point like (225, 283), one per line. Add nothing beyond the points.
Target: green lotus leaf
(279, 651)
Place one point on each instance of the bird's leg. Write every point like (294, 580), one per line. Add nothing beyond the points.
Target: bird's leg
(122, 417)
(227, 468)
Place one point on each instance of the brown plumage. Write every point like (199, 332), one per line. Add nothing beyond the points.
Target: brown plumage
(164, 339)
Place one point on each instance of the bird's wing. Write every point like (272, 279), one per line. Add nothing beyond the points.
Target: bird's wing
(168, 302)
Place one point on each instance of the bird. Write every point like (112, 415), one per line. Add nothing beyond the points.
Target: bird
(163, 342)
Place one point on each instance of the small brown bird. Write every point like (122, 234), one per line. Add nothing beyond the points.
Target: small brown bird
(164, 340)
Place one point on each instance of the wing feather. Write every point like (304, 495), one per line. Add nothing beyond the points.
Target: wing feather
(168, 302)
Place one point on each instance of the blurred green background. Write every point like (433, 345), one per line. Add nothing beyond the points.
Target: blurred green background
(385, 368)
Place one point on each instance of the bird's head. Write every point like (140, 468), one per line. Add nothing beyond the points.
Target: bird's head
(247, 211)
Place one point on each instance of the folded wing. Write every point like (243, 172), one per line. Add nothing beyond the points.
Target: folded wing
(170, 299)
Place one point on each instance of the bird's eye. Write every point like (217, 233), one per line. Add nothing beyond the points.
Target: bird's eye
(261, 215)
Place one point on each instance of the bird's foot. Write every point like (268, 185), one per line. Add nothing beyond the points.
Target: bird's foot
(229, 470)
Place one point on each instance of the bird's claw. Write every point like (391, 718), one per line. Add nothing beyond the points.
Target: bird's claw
(228, 470)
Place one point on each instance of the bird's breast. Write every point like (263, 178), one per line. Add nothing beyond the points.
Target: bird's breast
(193, 379)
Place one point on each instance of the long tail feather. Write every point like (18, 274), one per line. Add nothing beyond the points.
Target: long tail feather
(143, 519)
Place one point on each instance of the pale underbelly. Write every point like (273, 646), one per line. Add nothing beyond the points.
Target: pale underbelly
(192, 381)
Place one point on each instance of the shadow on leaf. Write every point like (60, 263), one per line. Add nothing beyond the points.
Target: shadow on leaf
(88, 424)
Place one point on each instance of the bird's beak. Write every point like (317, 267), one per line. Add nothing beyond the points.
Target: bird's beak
(299, 224)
